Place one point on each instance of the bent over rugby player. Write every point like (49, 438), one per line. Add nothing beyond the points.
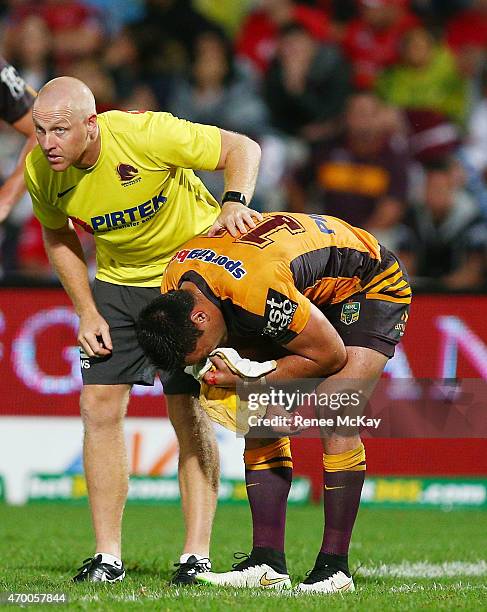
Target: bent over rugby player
(338, 301)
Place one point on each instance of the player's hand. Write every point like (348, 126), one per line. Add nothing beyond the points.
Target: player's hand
(222, 376)
(94, 335)
(235, 218)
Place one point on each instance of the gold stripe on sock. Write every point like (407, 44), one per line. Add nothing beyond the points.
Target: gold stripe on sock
(269, 466)
(281, 448)
(350, 461)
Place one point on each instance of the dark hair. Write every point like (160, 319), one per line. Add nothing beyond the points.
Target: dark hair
(165, 331)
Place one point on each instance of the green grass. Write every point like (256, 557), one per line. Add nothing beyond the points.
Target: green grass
(41, 546)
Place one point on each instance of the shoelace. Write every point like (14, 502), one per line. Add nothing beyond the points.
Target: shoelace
(356, 570)
(325, 572)
(242, 558)
(192, 565)
(86, 563)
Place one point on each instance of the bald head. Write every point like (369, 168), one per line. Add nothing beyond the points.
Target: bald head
(66, 124)
(66, 94)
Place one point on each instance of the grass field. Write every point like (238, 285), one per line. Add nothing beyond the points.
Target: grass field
(409, 560)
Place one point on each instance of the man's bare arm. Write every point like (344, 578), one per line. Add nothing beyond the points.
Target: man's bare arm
(317, 352)
(14, 187)
(240, 159)
(66, 256)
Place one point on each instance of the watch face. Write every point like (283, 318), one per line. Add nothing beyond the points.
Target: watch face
(234, 196)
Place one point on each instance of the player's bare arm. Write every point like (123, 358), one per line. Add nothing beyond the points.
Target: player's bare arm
(14, 187)
(317, 352)
(240, 159)
(66, 255)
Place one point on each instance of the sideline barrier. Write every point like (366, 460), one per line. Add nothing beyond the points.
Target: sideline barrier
(40, 382)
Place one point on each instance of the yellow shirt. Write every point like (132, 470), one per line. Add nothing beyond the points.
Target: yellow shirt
(141, 199)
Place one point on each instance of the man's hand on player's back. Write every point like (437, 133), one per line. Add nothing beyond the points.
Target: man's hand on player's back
(235, 218)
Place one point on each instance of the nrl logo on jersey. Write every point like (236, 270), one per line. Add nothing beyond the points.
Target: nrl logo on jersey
(350, 313)
(128, 174)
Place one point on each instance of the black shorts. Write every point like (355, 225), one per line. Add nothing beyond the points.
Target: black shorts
(380, 324)
(120, 306)
(375, 320)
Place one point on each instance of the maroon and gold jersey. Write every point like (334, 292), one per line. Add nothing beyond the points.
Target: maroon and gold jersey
(264, 280)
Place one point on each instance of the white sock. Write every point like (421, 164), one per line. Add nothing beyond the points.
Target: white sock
(111, 559)
(185, 556)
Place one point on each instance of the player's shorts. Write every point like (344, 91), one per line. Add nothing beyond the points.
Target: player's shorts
(376, 317)
(120, 306)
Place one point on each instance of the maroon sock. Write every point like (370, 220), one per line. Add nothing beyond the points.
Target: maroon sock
(268, 475)
(341, 499)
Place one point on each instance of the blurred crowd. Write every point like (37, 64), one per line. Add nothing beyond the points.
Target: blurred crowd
(371, 110)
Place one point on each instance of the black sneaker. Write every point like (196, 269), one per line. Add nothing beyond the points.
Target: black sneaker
(329, 575)
(186, 572)
(93, 570)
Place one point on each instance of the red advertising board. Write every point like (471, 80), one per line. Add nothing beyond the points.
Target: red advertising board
(446, 338)
(39, 358)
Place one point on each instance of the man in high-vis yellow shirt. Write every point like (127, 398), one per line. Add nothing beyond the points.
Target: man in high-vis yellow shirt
(128, 179)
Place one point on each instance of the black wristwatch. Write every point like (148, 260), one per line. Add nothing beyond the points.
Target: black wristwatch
(234, 196)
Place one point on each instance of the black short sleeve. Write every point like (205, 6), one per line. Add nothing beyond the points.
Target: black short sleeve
(15, 97)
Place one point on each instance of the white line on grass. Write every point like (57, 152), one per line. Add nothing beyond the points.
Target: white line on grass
(414, 587)
(424, 569)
